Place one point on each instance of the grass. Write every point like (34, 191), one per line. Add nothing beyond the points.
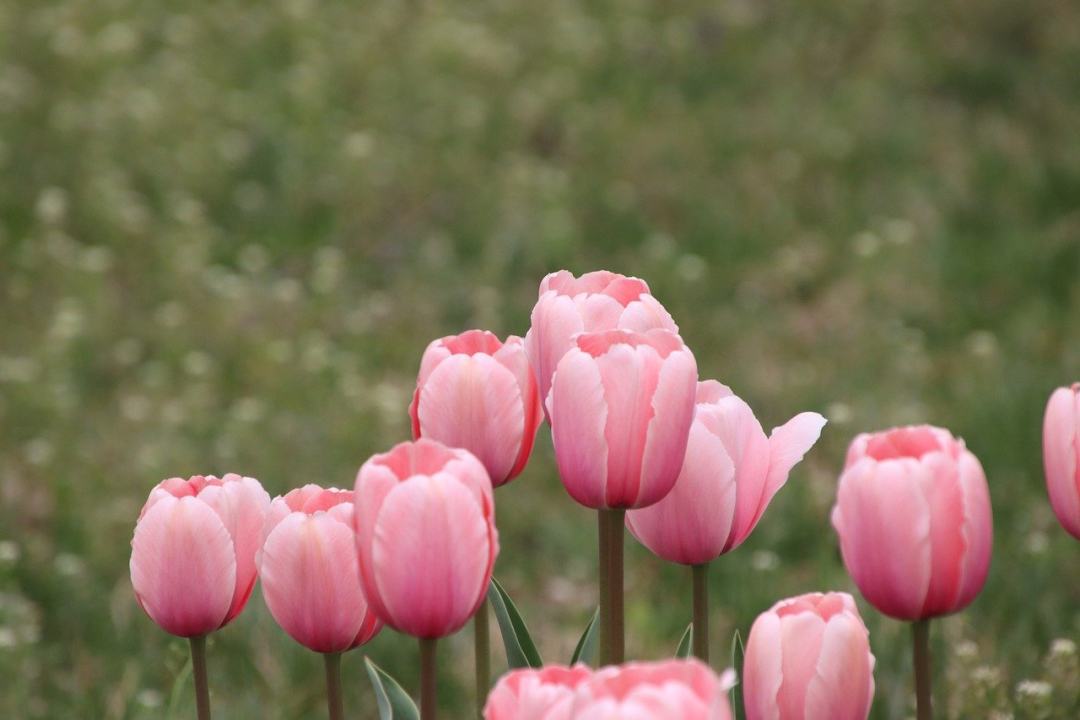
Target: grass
(228, 230)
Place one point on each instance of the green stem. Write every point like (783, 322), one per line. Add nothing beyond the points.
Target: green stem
(920, 635)
(428, 709)
(603, 580)
(701, 611)
(198, 671)
(334, 704)
(481, 635)
(611, 603)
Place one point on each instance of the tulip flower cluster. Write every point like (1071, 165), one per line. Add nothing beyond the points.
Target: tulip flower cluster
(683, 463)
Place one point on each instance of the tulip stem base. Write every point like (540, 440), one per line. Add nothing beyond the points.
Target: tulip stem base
(482, 637)
(428, 708)
(700, 577)
(198, 672)
(920, 635)
(612, 643)
(334, 704)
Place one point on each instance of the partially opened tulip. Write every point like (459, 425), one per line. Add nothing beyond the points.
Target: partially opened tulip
(546, 693)
(808, 658)
(731, 472)
(426, 539)
(913, 515)
(596, 301)
(193, 558)
(1061, 455)
(311, 578)
(667, 690)
(621, 405)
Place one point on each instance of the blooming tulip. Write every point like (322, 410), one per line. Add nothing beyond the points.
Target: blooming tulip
(668, 690)
(808, 658)
(193, 552)
(425, 533)
(730, 474)
(309, 571)
(596, 301)
(1061, 455)
(536, 694)
(913, 515)
(621, 404)
(477, 393)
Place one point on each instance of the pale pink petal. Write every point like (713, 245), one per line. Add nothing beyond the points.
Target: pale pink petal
(978, 530)
(668, 429)
(646, 313)
(1061, 457)
(943, 492)
(801, 636)
(629, 376)
(512, 356)
(241, 503)
(763, 669)
(555, 320)
(578, 413)
(842, 673)
(374, 482)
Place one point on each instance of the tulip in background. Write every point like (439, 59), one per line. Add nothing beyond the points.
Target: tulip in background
(731, 472)
(311, 578)
(596, 301)
(621, 405)
(193, 558)
(1061, 455)
(808, 658)
(913, 515)
(666, 690)
(536, 694)
(425, 534)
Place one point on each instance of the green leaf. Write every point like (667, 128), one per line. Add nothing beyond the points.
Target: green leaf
(520, 649)
(737, 652)
(179, 687)
(394, 703)
(585, 651)
(683, 651)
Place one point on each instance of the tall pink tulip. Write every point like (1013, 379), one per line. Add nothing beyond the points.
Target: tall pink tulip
(309, 571)
(478, 393)
(668, 690)
(808, 658)
(596, 301)
(546, 693)
(1061, 455)
(731, 472)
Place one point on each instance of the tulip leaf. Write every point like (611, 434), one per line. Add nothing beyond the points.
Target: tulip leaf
(521, 651)
(585, 651)
(737, 652)
(394, 703)
(180, 685)
(683, 651)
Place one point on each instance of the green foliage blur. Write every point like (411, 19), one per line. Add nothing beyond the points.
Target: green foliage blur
(228, 230)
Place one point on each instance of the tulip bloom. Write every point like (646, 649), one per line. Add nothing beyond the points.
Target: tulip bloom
(477, 393)
(193, 552)
(309, 571)
(536, 694)
(596, 301)
(683, 689)
(913, 515)
(730, 474)
(1061, 455)
(808, 658)
(621, 405)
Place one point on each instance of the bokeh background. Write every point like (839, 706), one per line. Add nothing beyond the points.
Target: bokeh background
(228, 230)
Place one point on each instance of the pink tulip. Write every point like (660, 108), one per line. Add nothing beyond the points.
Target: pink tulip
(528, 694)
(808, 658)
(1061, 455)
(596, 301)
(729, 476)
(668, 690)
(913, 515)
(193, 553)
(309, 572)
(477, 393)
(621, 404)
(425, 533)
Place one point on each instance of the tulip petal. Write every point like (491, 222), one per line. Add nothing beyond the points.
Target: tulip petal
(1061, 457)
(672, 410)
(242, 504)
(629, 376)
(942, 489)
(978, 531)
(801, 636)
(763, 669)
(842, 673)
(578, 413)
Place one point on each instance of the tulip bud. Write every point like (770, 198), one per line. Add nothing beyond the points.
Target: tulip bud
(682, 689)
(1061, 455)
(541, 694)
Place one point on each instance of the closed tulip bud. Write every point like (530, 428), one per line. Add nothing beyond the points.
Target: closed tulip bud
(731, 472)
(546, 693)
(425, 534)
(193, 552)
(596, 301)
(808, 658)
(1061, 455)
(913, 514)
(667, 690)
(477, 393)
(309, 571)
(621, 404)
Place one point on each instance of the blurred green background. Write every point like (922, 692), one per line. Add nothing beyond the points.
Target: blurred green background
(228, 230)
